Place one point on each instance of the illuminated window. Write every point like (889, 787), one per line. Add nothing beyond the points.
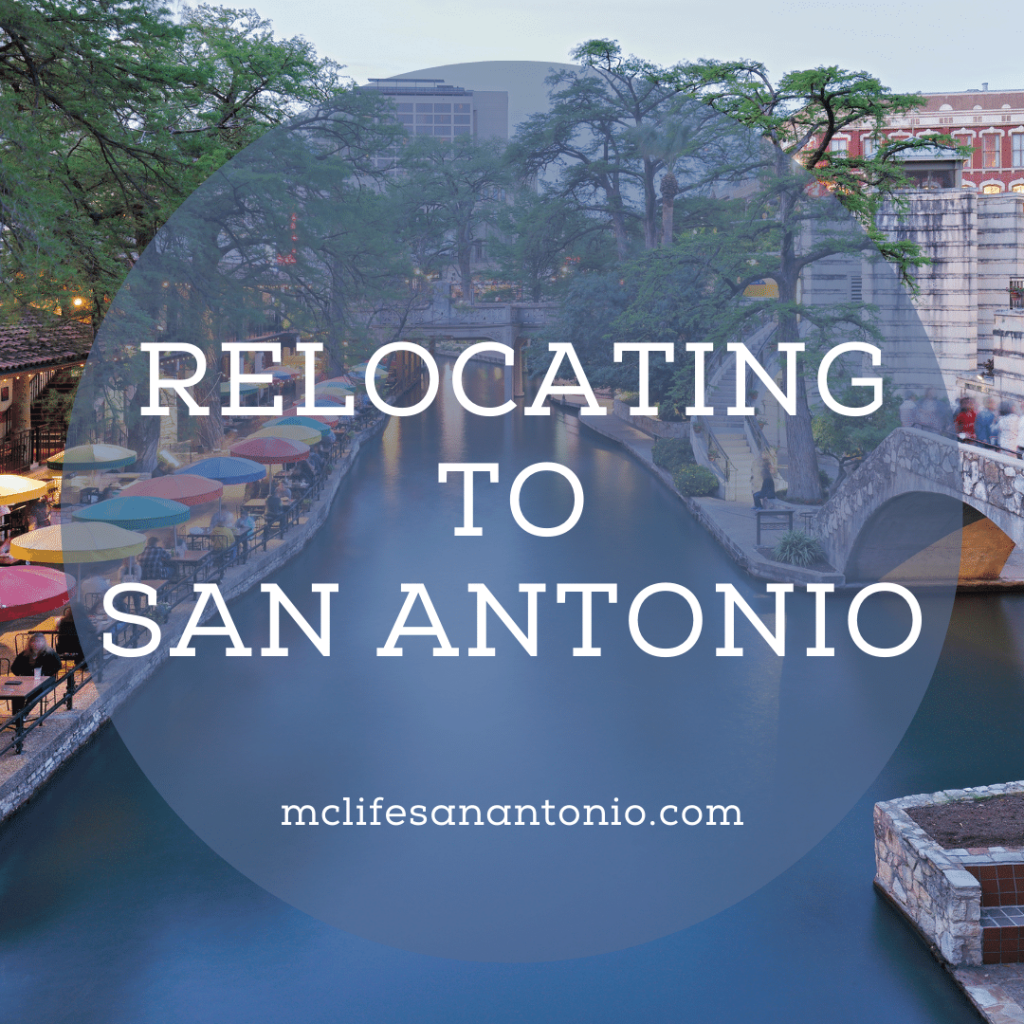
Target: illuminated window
(1019, 187)
(991, 190)
(990, 150)
(1017, 144)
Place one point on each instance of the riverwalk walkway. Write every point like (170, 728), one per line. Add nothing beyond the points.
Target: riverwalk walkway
(48, 747)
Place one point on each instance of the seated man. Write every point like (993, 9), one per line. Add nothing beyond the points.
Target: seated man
(275, 510)
(39, 654)
(222, 540)
(243, 531)
(155, 561)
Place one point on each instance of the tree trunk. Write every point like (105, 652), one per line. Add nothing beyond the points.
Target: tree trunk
(804, 482)
(669, 189)
(650, 207)
(337, 315)
(144, 440)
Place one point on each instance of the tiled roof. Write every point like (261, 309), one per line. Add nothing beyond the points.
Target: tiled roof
(42, 339)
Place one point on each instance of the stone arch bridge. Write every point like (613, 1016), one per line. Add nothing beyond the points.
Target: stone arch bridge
(509, 323)
(922, 506)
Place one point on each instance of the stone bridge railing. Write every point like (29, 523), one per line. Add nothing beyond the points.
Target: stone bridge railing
(442, 315)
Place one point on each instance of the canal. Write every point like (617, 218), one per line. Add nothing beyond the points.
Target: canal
(116, 911)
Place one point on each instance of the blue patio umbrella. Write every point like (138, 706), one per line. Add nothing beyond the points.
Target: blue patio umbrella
(244, 388)
(227, 469)
(135, 512)
(302, 421)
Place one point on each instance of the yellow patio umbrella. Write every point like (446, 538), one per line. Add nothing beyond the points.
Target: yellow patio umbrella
(74, 543)
(291, 432)
(15, 489)
(92, 456)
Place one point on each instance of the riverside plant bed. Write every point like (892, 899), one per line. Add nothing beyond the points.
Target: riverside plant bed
(953, 862)
(818, 565)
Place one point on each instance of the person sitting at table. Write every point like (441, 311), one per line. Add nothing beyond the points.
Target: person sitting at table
(306, 474)
(39, 654)
(222, 539)
(275, 511)
(155, 561)
(131, 572)
(67, 644)
(93, 589)
(222, 542)
(243, 531)
(41, 512)
(283, 491)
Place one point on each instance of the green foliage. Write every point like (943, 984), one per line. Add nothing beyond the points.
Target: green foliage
(695, 481)
(447, 192)
(847, 439)
(542, 241)
(800, 115)
(112, 114)
(798, 548)
(673, 452)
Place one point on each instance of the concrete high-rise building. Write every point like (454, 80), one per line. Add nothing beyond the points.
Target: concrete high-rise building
(429, 106)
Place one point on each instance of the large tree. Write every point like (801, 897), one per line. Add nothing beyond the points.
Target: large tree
(615, 125)
(448, 189)
(112, 114)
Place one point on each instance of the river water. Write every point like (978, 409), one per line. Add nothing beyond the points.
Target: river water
(114, 910)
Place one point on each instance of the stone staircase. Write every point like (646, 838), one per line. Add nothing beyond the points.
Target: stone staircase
(51, 408)
(729, 433)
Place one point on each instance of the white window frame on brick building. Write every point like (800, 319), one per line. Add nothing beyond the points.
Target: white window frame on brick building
(991, 149)
(1017, 148)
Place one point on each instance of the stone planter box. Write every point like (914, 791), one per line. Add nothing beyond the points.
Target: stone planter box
(964, 901)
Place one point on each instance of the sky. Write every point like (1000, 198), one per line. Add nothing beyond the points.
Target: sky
(913, 45)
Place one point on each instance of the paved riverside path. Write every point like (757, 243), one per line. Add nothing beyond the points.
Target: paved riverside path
(996, 990)
(731, 523)
(49, 747)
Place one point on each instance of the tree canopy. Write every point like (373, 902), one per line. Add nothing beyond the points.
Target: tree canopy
(113, 113)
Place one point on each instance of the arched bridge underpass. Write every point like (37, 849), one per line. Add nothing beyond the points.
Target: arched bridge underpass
(925, 507)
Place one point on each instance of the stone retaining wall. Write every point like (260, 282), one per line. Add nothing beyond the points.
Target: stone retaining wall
(935, 887)
(649, 425)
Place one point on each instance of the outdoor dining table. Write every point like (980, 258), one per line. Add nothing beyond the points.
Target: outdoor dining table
(258, 506)
(16, 688)
(188, 562)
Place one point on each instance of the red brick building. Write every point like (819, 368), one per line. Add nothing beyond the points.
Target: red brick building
(990, 122)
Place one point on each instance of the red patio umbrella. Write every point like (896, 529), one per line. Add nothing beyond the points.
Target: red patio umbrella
(187, 488)
(271, 450)
(32, 590)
